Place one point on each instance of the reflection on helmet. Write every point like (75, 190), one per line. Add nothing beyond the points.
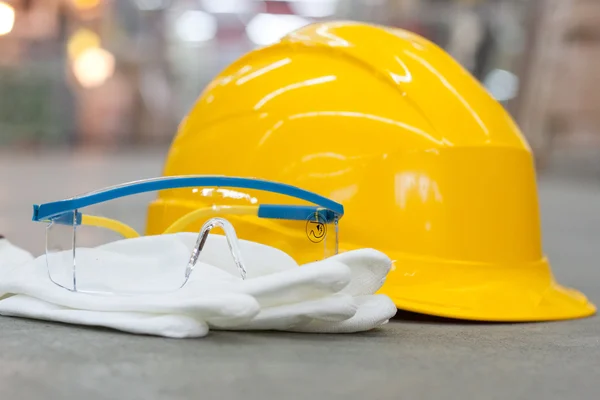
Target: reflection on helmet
(429, 167)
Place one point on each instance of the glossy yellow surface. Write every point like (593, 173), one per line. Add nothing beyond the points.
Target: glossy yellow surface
(430, 168)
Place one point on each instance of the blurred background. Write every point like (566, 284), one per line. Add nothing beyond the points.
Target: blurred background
(121, 74)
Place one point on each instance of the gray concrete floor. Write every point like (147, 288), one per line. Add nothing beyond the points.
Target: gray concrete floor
(409, 360)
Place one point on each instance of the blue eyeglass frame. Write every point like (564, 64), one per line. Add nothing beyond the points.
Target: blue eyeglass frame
(327, 209)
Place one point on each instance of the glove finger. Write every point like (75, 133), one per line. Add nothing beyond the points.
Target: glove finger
(373, 311)
(204, 302)
(369, 269)
(207, 305)
(173, 326)
(333, 308)
(211, 305)
(311, 281)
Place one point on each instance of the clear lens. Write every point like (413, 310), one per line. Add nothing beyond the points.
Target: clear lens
(103, 249)
(104, 261)
(59, 253)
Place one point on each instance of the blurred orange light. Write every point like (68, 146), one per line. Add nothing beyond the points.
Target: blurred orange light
(86, 4)
(7, 18)
(81, 41)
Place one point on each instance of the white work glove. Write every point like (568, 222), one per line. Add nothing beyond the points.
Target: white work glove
(345, 302)
(26, 291)
(333, 295)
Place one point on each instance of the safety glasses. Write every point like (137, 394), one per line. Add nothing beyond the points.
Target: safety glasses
(93, 244)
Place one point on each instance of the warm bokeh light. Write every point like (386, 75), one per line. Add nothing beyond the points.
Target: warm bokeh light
(7, 18)
(86, 4)
(81, 41)
(93, 67)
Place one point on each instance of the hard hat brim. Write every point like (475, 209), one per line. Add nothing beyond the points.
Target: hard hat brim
(494, 293)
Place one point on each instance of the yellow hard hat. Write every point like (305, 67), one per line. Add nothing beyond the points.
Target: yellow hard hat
(430, 169)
